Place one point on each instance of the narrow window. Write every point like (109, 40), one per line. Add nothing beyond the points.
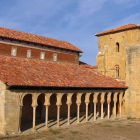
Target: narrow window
(42, 55)
(117, 71)
(14, 51)
(118, 47)
(55, 57)
(28, 53)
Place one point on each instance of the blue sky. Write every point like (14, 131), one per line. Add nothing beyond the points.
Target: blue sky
(75, 21)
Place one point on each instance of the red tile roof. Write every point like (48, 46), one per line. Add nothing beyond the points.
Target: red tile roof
(119, 29)
(27, 72)
(83, 64)
(22, 36)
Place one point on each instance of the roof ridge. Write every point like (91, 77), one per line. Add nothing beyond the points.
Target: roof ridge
(119, 28)
(39, 39)
(33, 34)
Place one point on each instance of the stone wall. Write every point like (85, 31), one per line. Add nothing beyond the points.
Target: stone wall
(108, 56)
(132, 96)
(2, 104)
(11, 108)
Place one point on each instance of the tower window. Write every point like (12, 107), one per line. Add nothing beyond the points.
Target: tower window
(117, 71)
(55, 57)
(42, 55)
(14, 51)
(118, 47)
(28, 53)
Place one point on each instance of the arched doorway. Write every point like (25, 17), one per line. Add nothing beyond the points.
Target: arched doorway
(99, 106)
(63, 110)
(40, 111)
(52, 111)
(105, 106)
(27, 113)
(82, 108)
(112, 105)
(91, 107)
(73, 109)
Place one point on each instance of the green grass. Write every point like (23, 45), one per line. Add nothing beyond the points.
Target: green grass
(55, 132)
(129, 118)
(74, 132)
(106, 125)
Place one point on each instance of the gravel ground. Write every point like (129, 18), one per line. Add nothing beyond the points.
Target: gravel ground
(124, 129)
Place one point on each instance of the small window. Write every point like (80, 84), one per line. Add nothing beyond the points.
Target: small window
(14, 51)
(42, 55)
(117, 71)
(55, 57)
(28, 53)
(118, 47)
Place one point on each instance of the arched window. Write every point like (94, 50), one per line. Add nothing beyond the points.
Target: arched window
(14, 51)
(117, 71)
(55, 57)
(118, 47)
(28, 53)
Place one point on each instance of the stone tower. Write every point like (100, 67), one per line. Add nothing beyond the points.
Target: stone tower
(118, 57)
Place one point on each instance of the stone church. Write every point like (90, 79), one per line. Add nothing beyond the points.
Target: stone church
(42, 79)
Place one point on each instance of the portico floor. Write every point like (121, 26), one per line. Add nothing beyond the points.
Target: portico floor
(40, 125)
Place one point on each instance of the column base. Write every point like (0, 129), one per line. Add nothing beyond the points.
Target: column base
(33, 130)
(19, 132)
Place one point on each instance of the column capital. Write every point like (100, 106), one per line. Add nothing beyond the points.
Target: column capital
(115, 96)
(109, 97)
(59, 97)
(87, 97)
(79, 95)
(34, 99)
(47, 99)
(69, 98)
(121, 96)
(95, 98)
(102, 97)
(97, 93)
(34, 106)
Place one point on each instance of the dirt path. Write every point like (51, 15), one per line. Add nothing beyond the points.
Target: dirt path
(127, 129)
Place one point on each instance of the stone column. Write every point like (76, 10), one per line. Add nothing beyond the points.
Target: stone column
(46, 123)
(95, 100)
(108, 102)
(87, 112)
(78, 102)
(115, 101)
(95, 104)
(78, 112)
(34, 105)
(69, 114)
(59, 103)
(102, 105)
(20, 116)
(34, 118)
(87, 103)
(47, 103)
(69, 102)
(58, 115)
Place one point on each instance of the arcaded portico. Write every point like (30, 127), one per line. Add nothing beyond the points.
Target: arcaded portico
(103, 103)
(42, 82)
